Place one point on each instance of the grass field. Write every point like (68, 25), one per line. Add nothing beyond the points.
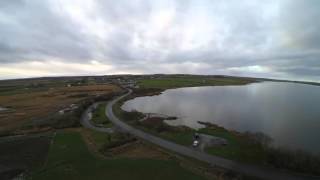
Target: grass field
(30, 85)
(103, 142)
(191, 81)
(99, 116)
(69, 158)
(20, 153)
(26, 107)
(99, 138)
(244, 147)
(239, 148)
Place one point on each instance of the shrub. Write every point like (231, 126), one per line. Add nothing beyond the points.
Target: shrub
(298, 161)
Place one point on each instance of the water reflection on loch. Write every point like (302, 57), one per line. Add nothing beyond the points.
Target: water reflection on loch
(287, 112)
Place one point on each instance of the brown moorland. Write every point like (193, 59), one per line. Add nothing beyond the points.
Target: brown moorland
(25, 107)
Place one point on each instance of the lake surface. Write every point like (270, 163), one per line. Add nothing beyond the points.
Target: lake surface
(287, 112)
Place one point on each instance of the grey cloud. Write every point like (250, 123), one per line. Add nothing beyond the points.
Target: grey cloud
(34, 31)
(7, 5)
(211, 36)
(300, 22)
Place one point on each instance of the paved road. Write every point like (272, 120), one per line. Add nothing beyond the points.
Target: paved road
(86, 120)
(261, 172)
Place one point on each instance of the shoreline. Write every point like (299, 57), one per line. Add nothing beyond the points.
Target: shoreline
(257, 143)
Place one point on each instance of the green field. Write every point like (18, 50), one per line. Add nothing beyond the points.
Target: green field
(100, 138)
(19, 153)
(191, 81)
(104, 141)
(99, 116)
(69, 158)
(184, 138)
(239, 148)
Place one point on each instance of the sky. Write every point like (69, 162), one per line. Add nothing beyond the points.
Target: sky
(259, 38)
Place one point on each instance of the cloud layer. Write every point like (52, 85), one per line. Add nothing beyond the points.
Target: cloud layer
(274, 38)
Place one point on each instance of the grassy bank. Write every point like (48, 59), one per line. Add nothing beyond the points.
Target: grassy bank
(242, 147)
(191, 81)
(132, 116)
(255, 149)
(99, 116)
(69, 158)
(179, 134)
(104, 141)
(236, 150)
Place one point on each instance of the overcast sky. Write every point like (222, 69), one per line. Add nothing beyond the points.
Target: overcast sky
(262, 38)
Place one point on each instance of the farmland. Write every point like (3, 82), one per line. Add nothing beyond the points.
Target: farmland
(69, 158)
(191, 81)
(25, 108)
(19, 154)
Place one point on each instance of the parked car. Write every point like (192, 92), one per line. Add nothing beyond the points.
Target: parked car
(195, 143)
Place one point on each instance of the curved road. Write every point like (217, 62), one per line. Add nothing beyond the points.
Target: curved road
(86, 117)
(256, 171)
